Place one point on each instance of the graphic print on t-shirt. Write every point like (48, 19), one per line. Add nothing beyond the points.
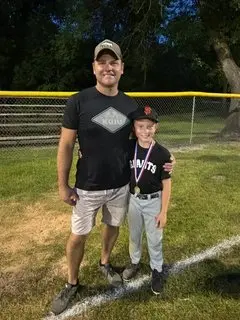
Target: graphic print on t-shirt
(111, 120)
(148, 166)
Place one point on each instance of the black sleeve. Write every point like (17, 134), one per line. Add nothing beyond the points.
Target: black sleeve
(71, 114)
(131, 145)
(166, 158)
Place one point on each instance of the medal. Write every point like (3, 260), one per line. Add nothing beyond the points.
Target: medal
(136, 188)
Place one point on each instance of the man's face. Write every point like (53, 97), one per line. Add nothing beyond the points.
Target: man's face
(108, 70)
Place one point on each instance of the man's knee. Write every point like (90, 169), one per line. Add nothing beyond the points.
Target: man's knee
(112, 229)
(77, 240)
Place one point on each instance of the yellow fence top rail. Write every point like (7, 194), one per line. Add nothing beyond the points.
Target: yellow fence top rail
(48, 94)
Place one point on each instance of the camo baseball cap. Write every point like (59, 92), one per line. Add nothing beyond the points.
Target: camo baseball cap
(108, 45)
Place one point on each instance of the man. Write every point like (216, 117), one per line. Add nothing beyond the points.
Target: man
(98, 116)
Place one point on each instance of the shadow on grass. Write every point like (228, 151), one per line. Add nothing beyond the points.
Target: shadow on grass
(209, 276)
(226, 284)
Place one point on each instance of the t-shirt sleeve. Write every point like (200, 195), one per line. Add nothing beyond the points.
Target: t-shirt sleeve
(131, 147)
(71, 114)
(166, 158)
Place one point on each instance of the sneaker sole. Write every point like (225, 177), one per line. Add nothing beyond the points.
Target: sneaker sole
(132, 277)
(156, 292)
(72, 301)
(127, 280)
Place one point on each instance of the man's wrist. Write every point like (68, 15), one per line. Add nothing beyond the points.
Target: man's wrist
(62, 185)
(163, 212)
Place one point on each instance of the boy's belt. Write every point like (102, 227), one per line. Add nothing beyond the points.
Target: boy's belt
(147, 196)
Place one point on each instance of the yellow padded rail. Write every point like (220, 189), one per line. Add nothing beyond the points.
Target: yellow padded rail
(49, 94)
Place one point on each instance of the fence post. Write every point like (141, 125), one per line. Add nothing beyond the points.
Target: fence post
(192, 121)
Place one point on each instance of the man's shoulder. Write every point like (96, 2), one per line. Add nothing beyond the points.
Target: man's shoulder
(83, 94)
(127, 98)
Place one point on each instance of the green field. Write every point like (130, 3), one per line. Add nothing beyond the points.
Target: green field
(205, 210)
(177, 129)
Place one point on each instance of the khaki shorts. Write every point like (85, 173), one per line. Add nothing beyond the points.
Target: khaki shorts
(113, 202)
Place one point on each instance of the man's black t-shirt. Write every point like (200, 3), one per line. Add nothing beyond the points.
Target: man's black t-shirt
(103, 132)
(152, 176)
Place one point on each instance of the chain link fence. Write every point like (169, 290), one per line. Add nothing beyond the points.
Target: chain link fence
(188, 120)
(36, 122)
(30, 122)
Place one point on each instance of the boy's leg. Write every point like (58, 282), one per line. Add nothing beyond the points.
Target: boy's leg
(154, 234)
(154, 240)
(135, 224)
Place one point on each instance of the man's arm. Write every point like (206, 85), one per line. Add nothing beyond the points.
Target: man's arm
(161, 219)
(64, 163)
(168, 166)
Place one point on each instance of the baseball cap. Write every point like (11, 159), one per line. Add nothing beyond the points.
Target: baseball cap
(144, 113)
(108, 45)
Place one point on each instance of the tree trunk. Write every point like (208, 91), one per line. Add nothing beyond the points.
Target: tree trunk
(232, 74)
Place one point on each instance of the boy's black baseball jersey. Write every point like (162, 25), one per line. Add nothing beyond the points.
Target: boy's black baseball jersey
(103, 130)
(151, 179)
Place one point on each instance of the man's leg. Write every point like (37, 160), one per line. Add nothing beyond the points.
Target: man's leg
(109, 237)
(83, 220)
(74, 253)
(113, 216)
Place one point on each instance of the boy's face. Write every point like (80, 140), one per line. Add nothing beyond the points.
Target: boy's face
(144, 130)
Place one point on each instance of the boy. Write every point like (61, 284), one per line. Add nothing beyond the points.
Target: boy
(150, 189)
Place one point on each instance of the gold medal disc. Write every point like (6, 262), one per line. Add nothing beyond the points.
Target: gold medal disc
(136, 189)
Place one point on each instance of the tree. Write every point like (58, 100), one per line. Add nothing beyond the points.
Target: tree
(185, 33)
(221, 20)
(135, 24)
(207, 32)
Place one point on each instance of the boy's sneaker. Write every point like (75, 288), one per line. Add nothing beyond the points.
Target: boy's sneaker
(130, 271)
(112, 276)
(157, 282)
(64, 298)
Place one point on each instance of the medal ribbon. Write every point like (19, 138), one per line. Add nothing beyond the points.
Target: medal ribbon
(144, 163)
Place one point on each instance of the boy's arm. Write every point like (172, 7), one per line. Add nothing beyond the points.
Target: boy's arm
(161, 218)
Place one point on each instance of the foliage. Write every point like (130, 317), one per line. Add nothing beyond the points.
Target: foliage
(167, 45)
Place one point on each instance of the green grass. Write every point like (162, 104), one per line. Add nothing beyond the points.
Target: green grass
(177, 130)
(35, 225)
(27, 173)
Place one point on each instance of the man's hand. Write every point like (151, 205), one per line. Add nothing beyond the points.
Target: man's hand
(161, 220)
(168, 166)
(68, 195)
